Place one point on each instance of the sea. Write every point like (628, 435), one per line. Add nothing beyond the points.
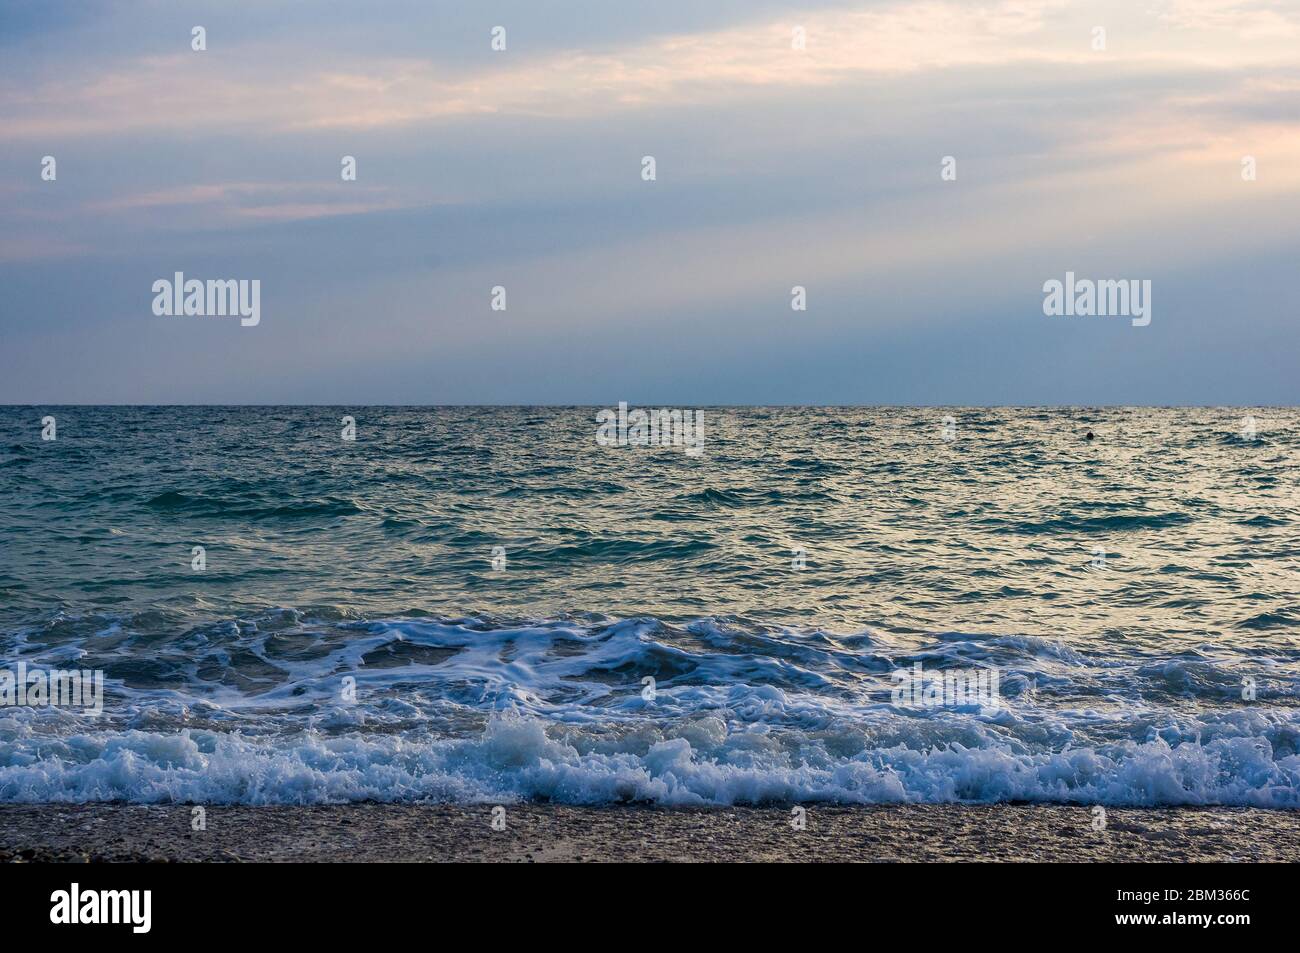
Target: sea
(297, 605)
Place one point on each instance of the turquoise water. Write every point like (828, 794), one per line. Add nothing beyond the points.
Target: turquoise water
(465, 603)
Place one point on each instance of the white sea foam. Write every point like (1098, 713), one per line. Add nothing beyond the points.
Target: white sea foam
(554, 710)
(702, 763)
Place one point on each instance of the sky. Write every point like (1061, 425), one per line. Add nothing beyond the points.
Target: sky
(1110, 140)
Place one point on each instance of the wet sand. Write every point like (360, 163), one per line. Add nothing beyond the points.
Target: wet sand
(541, 833)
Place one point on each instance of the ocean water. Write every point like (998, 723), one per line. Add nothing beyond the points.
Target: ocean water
(350, 638)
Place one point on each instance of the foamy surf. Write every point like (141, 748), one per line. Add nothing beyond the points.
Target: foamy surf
(697, 764)
(558, 710)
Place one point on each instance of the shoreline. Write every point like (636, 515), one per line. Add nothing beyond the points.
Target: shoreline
(373, 832)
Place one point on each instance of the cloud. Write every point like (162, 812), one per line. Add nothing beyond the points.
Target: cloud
(778, 167)
(1247, 19)
(218, 203)
(279, 84)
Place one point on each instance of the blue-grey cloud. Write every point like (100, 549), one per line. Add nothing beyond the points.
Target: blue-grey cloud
(522, 169)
